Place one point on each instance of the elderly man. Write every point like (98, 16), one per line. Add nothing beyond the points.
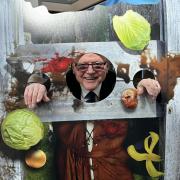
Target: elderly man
(90, 150)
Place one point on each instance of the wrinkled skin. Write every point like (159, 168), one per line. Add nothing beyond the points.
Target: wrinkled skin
(90, 79)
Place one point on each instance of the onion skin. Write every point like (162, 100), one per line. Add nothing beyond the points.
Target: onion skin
(35, 159)
(129, 98)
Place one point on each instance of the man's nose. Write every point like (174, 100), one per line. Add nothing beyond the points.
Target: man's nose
(90, 69)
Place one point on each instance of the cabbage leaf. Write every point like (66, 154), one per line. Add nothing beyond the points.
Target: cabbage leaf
(132, 29)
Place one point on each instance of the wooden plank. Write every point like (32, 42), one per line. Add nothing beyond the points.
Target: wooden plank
(172, 147)
(172, 143)
(83, 26)
(64, 105)
(45, 32)
(10, 165)
(172, 25)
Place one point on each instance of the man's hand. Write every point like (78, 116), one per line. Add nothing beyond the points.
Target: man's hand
(151, 86)
(34, 93)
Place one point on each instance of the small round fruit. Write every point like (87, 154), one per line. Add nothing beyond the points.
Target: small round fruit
(129, 98)
(35, 159)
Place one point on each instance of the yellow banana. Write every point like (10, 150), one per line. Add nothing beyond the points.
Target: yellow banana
(149, 156)
(135, 155)
(155, 138)
(152, 170)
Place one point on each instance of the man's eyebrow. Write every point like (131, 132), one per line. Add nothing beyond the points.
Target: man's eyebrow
(90, 62)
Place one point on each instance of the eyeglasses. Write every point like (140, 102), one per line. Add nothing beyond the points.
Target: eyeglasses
(97, 66)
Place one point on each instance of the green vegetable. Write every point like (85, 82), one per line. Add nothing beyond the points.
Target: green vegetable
(132, 29)
(22, 129)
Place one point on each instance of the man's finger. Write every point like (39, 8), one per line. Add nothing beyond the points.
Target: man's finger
(29, 97)
(41, 92)
(152, 87)
(34, 97)
(26, 96)
(158, 87)
(46, 98)
(140, 89)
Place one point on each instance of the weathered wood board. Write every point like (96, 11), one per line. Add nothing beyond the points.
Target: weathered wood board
(172, 149)
(65, 106)
(171, 12)
(68, 29)
(172, 25)
(83, 26)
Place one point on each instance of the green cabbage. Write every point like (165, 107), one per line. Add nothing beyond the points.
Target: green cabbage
(132, 29)
(22, 129)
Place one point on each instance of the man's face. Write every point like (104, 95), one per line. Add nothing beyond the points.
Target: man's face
(90, 77)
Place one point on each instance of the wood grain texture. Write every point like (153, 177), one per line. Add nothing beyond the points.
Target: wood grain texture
(172, 147)
(172, 136)
(64, 105)
(172, 25)
(84, 26)
(74, 27)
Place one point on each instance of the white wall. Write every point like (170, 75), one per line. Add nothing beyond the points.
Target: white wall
(33, 2)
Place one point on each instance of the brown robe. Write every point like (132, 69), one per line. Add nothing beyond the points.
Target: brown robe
(108, 154)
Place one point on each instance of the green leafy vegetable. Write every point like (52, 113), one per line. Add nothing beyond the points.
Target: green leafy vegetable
(132, 29)
(22, 129)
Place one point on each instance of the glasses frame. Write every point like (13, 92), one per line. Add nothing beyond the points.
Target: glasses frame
(94, 64)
